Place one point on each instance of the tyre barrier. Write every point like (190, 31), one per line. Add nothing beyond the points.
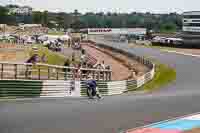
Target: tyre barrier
(70, 88)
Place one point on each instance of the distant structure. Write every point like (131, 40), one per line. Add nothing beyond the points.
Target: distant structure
(191, 28)
(191, 21)
(23, 14)
(123, 33)
(24, 10)
(116, 31)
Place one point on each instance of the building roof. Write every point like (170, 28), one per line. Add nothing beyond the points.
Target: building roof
(192, 13)
(30, 25)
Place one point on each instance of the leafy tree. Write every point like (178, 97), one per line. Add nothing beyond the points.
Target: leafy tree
(77, 25)
(45, 18)
(3, 14)
(156, 22)
(12, 6)
(168, 27)
(37, 17)
(60, 20)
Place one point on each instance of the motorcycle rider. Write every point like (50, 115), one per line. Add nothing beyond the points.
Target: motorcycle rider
(92, 84)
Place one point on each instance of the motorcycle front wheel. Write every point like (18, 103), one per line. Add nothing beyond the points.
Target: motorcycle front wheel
(91, 93)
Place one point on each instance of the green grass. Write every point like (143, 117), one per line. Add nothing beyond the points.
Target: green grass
(164, 75)
(56, 33)
(168, 31)
(53, 58)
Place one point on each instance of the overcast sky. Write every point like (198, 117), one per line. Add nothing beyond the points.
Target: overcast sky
(155, 6)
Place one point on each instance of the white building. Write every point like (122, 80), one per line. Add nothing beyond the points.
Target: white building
(116, 31)
(191, 21)
(191, 29)
(25, 10)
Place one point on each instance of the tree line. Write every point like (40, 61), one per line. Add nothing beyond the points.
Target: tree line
(158, 22)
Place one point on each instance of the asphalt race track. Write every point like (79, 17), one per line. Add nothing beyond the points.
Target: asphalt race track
(112, 114)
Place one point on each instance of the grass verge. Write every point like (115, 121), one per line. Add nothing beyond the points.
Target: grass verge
(56, 33)
(164, 75)
(53, 58)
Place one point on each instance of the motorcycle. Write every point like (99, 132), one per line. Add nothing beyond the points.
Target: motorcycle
(92, 92)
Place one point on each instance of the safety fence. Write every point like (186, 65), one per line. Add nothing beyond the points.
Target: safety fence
(41, 71)
(65, 88)
(58, 87)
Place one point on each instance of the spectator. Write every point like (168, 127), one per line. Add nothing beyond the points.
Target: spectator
(96, 65)
(65, 70)
(69, 43)
(33, 59)
(84, 72)
(82, 54)
(43, 58)
(83, 59)
(103, 65)
(73, 57)
(78, 72)
(108, 67)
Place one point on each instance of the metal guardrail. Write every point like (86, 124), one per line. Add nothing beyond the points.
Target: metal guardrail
(41, 71)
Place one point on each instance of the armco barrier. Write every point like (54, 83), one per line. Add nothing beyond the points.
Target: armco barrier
(33, 88)
(65, 88)
(18, 88)
(68, 88)
(60, 88)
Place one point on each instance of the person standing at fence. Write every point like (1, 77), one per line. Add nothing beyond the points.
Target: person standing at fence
(73, 57)
(103, 65)
(32, 60)
(43, 58)
(78, 72)
(83, 57)
(69, 43)
(65, 70)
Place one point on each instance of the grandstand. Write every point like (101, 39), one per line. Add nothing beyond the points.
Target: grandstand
(191, 28)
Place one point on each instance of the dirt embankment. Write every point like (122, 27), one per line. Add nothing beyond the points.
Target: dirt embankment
(122, 66)
(119, 71)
